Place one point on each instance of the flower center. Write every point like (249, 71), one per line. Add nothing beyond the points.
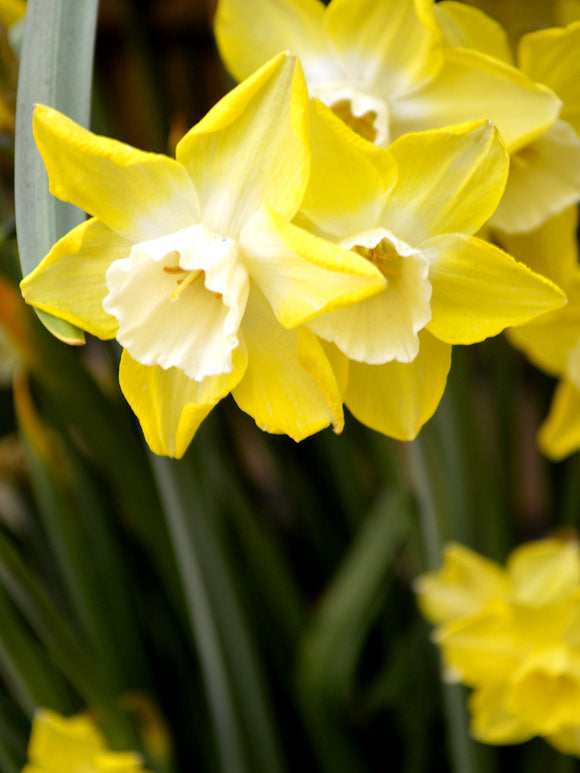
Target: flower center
(366, 114)
(179, 301)
(384, 256)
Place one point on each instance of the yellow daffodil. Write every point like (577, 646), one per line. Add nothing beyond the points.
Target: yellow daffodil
(383, 67)
(411, 211)
(74, 745)
(513, 635)
(545, 173)
(193, 266)
(552, 341)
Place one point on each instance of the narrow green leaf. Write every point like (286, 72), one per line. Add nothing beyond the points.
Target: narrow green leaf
(70, 655)
(244, 727)
(25, 666)
(56, 70)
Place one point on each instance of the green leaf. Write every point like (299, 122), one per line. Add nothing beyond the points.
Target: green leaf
(56, 70)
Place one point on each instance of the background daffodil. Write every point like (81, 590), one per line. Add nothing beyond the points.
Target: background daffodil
(412, 211)
(74, 745)
(513, 635)
(193, 266)
(552, 341)
(545, 173)
(383, 66)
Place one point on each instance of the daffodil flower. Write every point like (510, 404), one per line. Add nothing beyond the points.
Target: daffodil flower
(545, 172)
(411, 211)
(383, 66)
(513, 635)
(193, 266)
(75, 745)
(552, 341)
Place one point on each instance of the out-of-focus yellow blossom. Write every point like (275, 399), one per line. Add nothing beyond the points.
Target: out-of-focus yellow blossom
(193, 266)
(545, 173)
(513, 635)
(74, 745)
(552, 341)
(519, 17)
(411, 211)
(11, 11)
(383, 67)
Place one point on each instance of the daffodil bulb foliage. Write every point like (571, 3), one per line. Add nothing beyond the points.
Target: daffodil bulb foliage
(193, 265)
(411, 211)
(513, 635)
(384, 66)
(74, 745)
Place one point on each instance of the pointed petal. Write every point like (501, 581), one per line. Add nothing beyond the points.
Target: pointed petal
(387, 47)
(279, 394)
(302, 275)
(551, 249)
(551, 57)
(70, 282)
(169, 405)
(544, 180)
(138, 195)
(466, 27)
(349, 178)
(559, 435)
(548, 339)
(462, 587)
(398, 398)
(449, 180)
(472, 87)
(544, 571)
(284, 25)
(478, 290)
(251, 148)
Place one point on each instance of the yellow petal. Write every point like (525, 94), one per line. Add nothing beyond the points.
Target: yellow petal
(478, 290)
(449, 180)
(387, 47)
(62, 742)
(471, 87)
(548, 339)
(293, 25)
(462, 587)
(545, 690)
(544, 180)
(398, 398)
(138, 195)
(349, 177)
(492, 721)
(302, 275)
(276, 390)
(481, 649)
(251, 148)
(12, 11)
(169, 405)
(70, 282)
(551, 57)
(551, 249)
(543, 572)
(567, 740)
(313, 358)
(466, 27)
(559, 435)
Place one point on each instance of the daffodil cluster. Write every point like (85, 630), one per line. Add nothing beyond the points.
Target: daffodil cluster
(313, 243)
(513, 635)
(74, 745)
